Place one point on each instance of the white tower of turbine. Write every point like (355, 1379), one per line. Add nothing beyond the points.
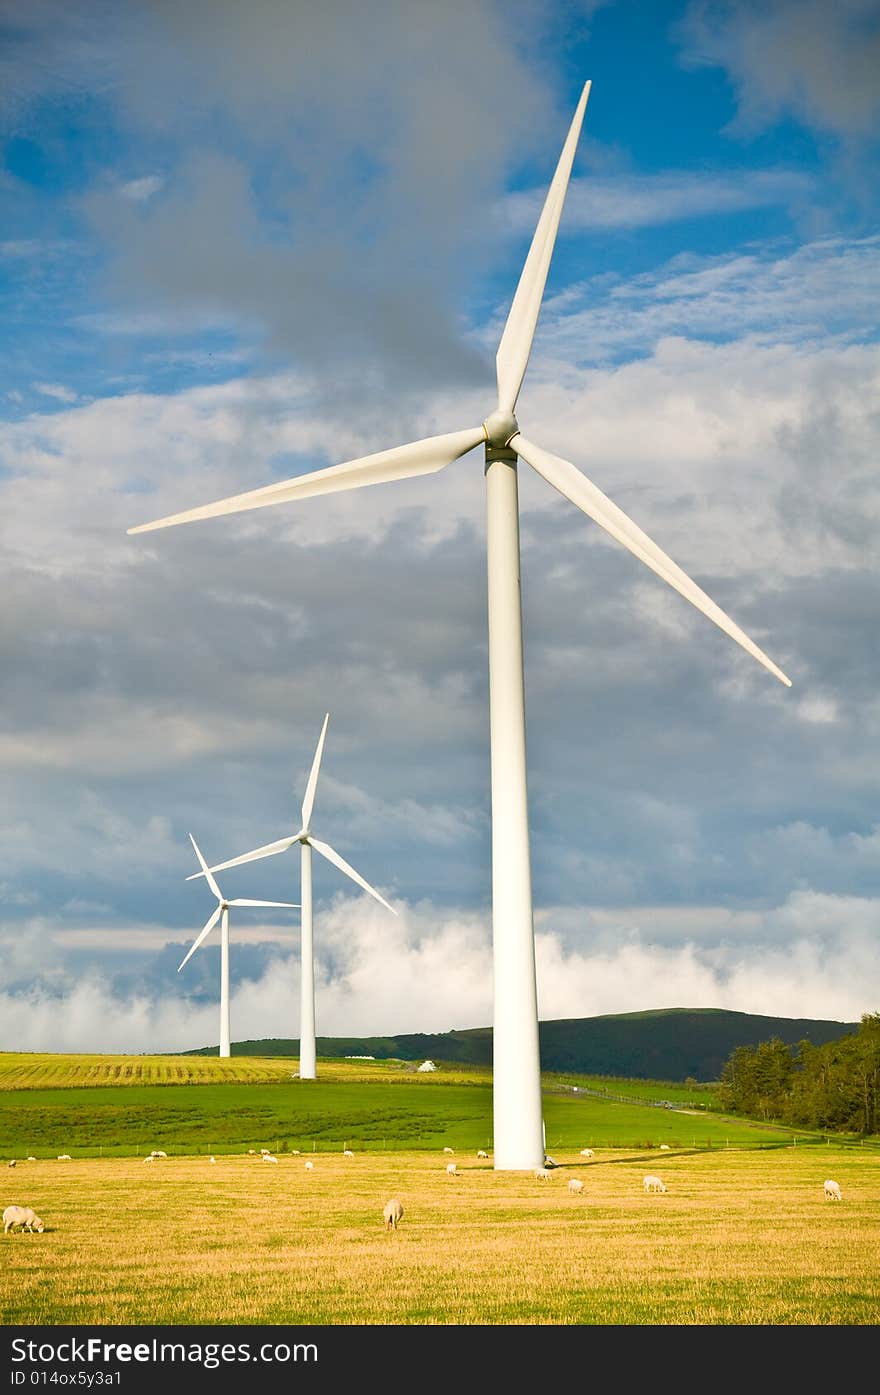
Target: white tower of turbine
(221, 913)
(307, 841)
(518, 1143)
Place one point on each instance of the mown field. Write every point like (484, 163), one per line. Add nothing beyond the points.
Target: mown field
(378, 1112)
(742, 1237)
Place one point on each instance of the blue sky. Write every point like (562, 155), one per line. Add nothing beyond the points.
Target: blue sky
(240, 244)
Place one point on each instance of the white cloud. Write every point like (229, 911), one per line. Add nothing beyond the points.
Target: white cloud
(431, 970)
(139, 190)
(56, 390)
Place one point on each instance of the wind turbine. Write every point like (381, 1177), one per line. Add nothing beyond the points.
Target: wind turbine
(516, 1071)
(222, 914)
(307, 841)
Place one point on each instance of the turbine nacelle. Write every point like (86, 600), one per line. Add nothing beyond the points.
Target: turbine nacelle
(500, 428)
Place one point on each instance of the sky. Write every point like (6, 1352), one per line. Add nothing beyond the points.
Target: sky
(239, 243)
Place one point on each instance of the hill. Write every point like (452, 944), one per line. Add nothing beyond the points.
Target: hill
(665, 1044)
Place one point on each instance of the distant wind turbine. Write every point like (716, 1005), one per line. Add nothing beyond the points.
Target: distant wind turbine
(516, 1069)
(222, 914)
(307, 841)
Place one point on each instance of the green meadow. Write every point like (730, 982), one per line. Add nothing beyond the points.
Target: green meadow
(88, 1107)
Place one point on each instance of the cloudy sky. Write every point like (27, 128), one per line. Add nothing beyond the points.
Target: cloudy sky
(242, 242)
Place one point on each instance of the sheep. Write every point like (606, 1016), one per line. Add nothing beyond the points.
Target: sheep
(11, 1162)
(31, 1159)
(64, 1157)
(575, 1185)
(586, 1152)
(268, 1157)
(264, 1151)
(23, 1216)
(482, 1153)
(449, 1150)
(157, 1153)
(252, 1152)
(347, 1153)
(452, 1169)
(832, 1191)
(309, 1166)
(664, 1147)
(392, 1214)
(149, 1158)
(542, 1174)
(653, 1184)
(550, 1162)
(294, 1152)
(212, 1159)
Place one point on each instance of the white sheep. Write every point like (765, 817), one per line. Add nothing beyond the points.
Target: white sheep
(149, 1158)
(542, 1174)
(31, 1158)
(452, 1169)
(347, 1153)
(653, 1184)
(157, 1153)
(268, 1157)
(11, 1162)
(212, 1159)
(64, 1157)
(309, 1166)
(664, 1147)
(586, 1152)
(252, 1152)
(392, 1214)
(23, 1216)
(294, 1152)
(832, 1191)
(264, 1151)
(449, 1150)
(550, 1162)
(575, 1185)
(482, 1153)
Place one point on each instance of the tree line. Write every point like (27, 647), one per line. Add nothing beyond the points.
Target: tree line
(835, 1087)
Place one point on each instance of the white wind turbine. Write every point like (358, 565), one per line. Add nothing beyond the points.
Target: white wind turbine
(222, 914)
(307, 841)
(517, 1083)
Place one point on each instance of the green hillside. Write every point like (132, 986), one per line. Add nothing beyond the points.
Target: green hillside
(666, 1044)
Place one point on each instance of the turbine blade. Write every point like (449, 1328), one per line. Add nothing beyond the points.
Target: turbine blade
(206, 870)
(242, 902)
(326, 851)
(402, 462)
(580, 491)
(207, 930)
(309, 801)
(512, 357)
(268, 850)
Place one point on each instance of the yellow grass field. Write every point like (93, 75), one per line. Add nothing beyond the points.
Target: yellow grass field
(739, 1238)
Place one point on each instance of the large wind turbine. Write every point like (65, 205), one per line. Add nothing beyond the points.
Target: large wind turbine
(307, 841)
(221, 913)
(517, 1084)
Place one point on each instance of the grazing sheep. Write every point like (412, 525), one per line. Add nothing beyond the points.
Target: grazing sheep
(575, 1185)
(832, 1191)
(157, 1153)
(268, 1157)
(252, 1152)
(23, 1216)
(212, 1159)
(347, 1153)
(393, 1214)
(482, 1153)
(11, 1162)
(264, 1151)
(542, 1174)
(294, 1152)
(449, 1150)
(149, 1158)
(586, 1152)
(653, 1184)
(452, 1169)
(64, 1157)
(550, 1162)
(664, 1147)
(31, 1159)
(309, 1166)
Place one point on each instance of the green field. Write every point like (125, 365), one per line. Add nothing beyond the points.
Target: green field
(83, 1106)
(741, 1237)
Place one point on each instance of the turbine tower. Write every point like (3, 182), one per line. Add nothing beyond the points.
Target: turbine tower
(518, 1142)
(307, 841)
(222, 914)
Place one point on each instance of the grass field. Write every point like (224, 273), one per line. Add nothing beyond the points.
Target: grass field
(380, 1112)
(741, 1237)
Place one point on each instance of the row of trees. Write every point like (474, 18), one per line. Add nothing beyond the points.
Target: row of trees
(835, 1087)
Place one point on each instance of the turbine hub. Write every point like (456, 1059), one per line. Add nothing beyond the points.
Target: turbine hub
(500, 428)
